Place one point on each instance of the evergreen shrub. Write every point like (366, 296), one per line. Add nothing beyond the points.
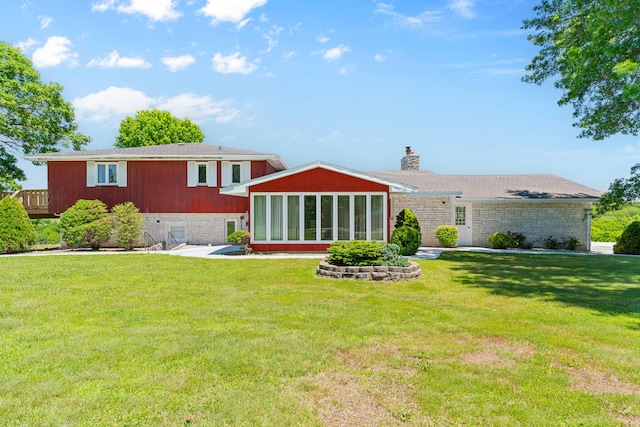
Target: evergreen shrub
(408, 238)
(86, 224)
(406, 217)
(355, 253)
(240, 237)
(447, 235)
(392, 258)
(127, 224)
(17, 233)
(629, 240)
(500, 240)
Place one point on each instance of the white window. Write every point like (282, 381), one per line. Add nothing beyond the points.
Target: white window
(231, 226)
(202, 174)
(316, 218)
(235, 172)
(106, 173)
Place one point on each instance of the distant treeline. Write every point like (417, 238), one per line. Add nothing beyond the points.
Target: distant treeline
(608, 227)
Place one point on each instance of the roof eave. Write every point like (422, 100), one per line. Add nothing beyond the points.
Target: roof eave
(535, 200)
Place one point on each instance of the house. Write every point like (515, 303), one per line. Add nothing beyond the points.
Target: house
(199, 193)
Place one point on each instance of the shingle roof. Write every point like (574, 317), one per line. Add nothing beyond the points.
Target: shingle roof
(166, 151)
(507, 187)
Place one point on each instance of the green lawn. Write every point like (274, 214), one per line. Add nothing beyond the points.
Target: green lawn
(480, 339)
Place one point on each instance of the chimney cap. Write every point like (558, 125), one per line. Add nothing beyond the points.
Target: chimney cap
(408, 150)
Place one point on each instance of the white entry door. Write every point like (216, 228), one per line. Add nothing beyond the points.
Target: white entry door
(462, 219)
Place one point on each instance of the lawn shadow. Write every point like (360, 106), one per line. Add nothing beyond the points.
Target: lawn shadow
(607, 284)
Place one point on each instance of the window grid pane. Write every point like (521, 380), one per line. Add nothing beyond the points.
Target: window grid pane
(235, 173)
(344, 218)
(461, 215)
(102, 174)
(202, 174)
(326, 217)
(276, 217)
(293, 217)
(310, 217)
(113, 174)
(377, 217)
(360, 217)
(260, 217)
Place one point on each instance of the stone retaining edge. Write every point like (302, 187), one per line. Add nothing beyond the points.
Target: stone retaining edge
(378, 273)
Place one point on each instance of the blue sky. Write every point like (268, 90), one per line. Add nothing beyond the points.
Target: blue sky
(347, 82)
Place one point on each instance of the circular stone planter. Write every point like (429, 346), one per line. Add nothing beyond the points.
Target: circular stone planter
(379, 273)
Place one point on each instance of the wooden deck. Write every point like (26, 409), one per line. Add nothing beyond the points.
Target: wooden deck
(36, 202)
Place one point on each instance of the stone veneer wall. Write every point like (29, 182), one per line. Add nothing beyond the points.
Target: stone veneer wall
(536, 220)
(430, 211)
(201, 229)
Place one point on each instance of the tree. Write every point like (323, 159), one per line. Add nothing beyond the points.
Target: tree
(34, 117)
(86, 224)
(127, 223)
(621, 192)
(592, 46)
(17, 233)
(155, 127)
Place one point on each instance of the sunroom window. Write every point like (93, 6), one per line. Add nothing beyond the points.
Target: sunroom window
(318, 217)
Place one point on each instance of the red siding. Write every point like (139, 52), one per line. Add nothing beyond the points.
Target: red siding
(319, 180)
(288, 247)
(153, 186)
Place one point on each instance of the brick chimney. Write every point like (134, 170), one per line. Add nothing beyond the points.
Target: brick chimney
(410, 162)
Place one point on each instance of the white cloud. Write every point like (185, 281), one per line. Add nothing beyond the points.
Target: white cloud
(103, 6)
(114, 102)
(379, 57)
(335, 53)
(155, 10)
(200, 108)
(27, 44)
(45, 21)
(54, 52)
(322, 38)
(176, 63)
(229, 11)
(114, 60)
(271, 37)
(242, 24)
(464, 8)
(346, 69)
(289, 54)
(233, 63)
(426, 17)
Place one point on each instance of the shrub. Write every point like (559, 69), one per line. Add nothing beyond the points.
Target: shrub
(629, 240)
(391, 256)
(47, 231)
(127, 224)
(570, 243)
(500, 240)
(551, 243)
(519, 240)
(408, 238)
(447, 235)
(240, 237)
(406, 217)
(16, 229)
(355, 253)
(86, 224)
(606, 230)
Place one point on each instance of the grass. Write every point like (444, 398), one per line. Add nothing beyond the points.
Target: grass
(480, 339)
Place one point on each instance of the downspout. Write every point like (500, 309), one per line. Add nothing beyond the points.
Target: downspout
(588, 240)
